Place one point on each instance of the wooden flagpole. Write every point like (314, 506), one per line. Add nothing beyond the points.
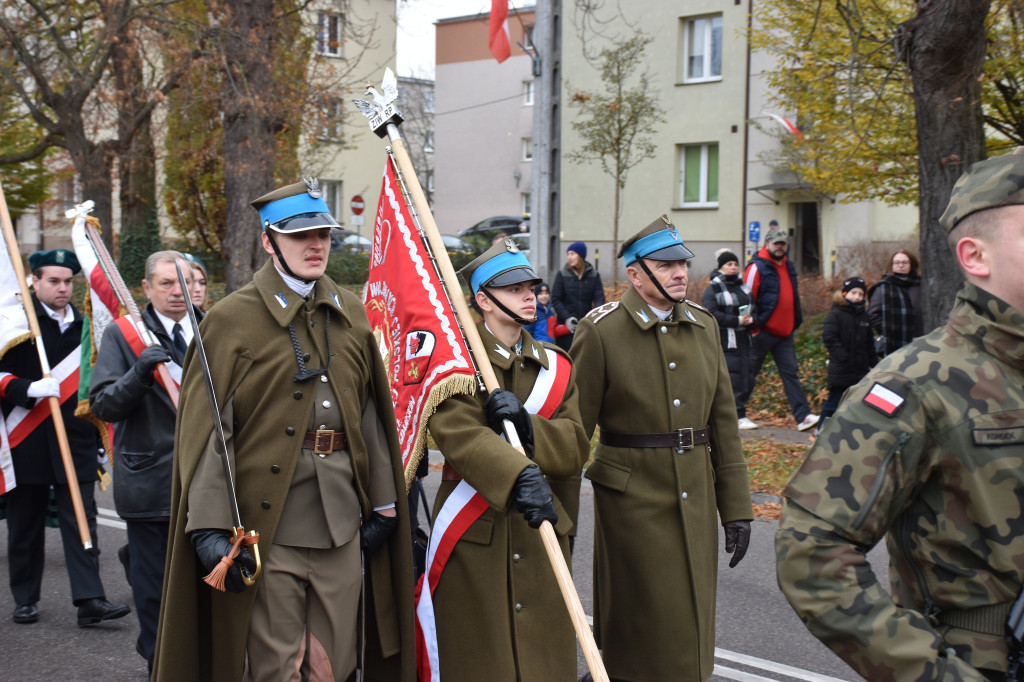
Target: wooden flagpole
(54, 403)
(384, 120)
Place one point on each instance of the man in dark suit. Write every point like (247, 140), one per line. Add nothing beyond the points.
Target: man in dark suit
(36, 457)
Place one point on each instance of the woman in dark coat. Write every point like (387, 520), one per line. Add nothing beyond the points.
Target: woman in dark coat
(894, 303)
(729, 300)
(850, 342)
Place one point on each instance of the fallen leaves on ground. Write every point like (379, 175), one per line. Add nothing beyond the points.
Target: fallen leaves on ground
(770, 463)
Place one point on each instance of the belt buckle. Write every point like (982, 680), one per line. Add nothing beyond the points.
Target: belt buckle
(684, 444)
(327, 448)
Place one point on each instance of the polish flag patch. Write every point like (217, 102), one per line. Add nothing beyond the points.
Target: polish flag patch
(885, 400)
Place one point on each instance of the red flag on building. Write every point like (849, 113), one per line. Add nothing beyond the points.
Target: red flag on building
(498, 34)
(416, 329)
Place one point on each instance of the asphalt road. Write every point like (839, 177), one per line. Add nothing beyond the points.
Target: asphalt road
(758, 635)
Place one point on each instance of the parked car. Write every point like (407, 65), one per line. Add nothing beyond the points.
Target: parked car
(490, 227)
(456, 246)
(347, 241)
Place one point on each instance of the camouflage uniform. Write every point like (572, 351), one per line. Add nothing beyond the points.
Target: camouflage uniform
(936, 466)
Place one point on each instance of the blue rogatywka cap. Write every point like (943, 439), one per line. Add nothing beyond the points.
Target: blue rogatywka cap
(499, 266)
(658, 241)
(295, 208)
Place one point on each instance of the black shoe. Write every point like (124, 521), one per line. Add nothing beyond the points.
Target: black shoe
(126, 561)
(25, 614)
(92, 611)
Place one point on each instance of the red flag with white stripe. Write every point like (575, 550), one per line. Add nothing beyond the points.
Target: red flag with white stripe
(497, 35)
(13, 330)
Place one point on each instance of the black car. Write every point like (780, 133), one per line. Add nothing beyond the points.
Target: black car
(491, 227)
(347, 241)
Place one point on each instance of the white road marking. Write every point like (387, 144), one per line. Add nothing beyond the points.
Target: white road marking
(770, 666)
(114, 521)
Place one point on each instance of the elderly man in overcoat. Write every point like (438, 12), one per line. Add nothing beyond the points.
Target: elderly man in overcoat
(310, 430)
(652, 376)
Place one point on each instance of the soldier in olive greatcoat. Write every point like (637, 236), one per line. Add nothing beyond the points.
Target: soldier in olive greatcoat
(652, 375)
(497, 612)
(926, 451)
(310, 429)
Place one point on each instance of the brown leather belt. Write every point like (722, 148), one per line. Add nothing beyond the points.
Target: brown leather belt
(325, 441)
(449, 474)
(680, 439)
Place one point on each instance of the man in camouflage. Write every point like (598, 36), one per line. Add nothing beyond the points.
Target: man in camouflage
(928, 451)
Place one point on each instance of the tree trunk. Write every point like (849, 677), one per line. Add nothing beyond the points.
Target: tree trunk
(944, 47)
(249, 123)
(94, 164)
(140, 231)
(615, 235)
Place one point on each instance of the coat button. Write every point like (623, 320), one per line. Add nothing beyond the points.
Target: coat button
(290, 430)
(275, 469)
(684, 496)
(327, 404)
(676, 402)
(297, 395)
(265, 504)
(664, 330)
(305, 357)
(519, 607)
(671, 365)
(323, 378)
(515, 558)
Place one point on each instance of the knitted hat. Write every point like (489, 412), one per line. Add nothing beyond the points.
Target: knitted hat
(578, 247)
(727, 256)
(855, 283)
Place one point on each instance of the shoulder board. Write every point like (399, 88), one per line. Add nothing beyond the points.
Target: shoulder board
(698, 306)
(601, 311)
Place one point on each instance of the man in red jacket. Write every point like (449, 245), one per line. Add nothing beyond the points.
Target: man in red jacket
(774, 289)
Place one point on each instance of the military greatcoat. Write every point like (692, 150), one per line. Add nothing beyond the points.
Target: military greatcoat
(499, 613)
(203, 632)
(657, 509)
(927, 451)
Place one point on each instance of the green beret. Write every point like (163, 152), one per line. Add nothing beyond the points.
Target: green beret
(61, 257)
(986, 184)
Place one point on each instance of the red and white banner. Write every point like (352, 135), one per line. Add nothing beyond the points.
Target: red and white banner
(497, 35)
(460, 510)
(416, 329)
(13, 330)
(100, 309)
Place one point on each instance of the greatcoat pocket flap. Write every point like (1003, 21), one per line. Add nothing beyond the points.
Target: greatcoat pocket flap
(608, 475)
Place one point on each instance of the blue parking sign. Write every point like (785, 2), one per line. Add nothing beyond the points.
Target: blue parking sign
(754, 232)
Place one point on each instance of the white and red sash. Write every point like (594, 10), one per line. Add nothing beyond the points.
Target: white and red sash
(22, 421)
(137, 344)
(461, 509)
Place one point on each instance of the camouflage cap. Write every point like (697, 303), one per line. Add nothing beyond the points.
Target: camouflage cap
(776, 235)
(986, 184)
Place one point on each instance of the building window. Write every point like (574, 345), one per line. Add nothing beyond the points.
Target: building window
(527, 203)
(328, 34)
(331, 118)
(428, 143)
(428, 101)
(702, 49)
(698, 175)
(331, 191)
(430, 181)
(527, 149)
(528, 93)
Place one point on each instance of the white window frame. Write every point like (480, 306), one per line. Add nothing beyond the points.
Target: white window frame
(703, 201)
(526, 203)
(333, 113)
(331, 191)
(428, 142)
(705, 42)
(527, 149)
(329, 29)
(528, 93)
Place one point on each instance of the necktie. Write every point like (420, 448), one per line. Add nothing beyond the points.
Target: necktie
(179, 342)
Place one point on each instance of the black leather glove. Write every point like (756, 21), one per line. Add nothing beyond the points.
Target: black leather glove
(737, 537)
(211, 544)
(531, 497)
(375, 531)
(503, 404)
(149, 358)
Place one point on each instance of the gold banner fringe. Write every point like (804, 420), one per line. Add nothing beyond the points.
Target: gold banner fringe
(455, 384)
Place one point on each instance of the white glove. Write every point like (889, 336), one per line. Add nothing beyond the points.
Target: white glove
(44, 388)
(571, 323)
